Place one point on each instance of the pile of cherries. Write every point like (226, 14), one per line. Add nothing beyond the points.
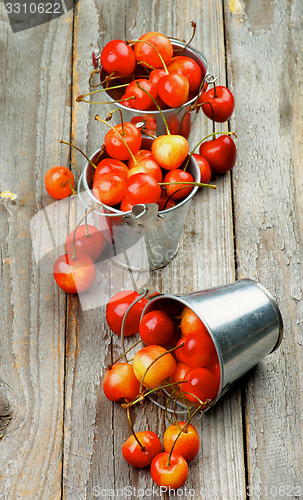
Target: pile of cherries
(179, 360)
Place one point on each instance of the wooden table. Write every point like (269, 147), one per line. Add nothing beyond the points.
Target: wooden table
(63, 439)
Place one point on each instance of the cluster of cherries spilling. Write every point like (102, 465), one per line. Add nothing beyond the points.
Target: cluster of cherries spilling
(179, 358)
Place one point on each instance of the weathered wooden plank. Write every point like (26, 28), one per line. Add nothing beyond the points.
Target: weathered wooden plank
(35, 112)
(264, 40)
(94, 428)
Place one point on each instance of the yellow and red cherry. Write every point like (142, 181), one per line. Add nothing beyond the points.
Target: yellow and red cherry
(117, 307)
(142, 188)
(190, 322)
(221, 153)
(219, 104)
(145, 53)
(204, 168)
(59, 182)
(125, 206)
(188, 443)
(88, 240)
(170, 151)
(156, 327)
(155, 75)
(178, 377)
(202, 384)
(109, 188)
(169, 470)
(74, 275)
(141, 456)
(120, 383)
(187, 67)
(178, 191)
(116, 147)
(153, 364)
(147, 166)
(118, 57)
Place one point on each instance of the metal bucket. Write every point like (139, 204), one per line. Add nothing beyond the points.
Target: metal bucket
(243, 320)
(153, 236)
(180, 120)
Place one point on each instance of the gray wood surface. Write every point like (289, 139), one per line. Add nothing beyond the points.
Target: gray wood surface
(63, 438)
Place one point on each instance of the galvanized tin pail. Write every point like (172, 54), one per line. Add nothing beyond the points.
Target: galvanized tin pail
(153, 236)
(180, 120)
(243, 320)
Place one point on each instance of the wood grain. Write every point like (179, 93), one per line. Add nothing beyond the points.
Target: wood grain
(265, 75)
(35, 112)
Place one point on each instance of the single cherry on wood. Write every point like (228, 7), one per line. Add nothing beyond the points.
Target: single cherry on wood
(59, 182)
(221, 153)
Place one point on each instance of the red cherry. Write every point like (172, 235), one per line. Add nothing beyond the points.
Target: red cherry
(149, 122)
(189, 68)
(114, 145)
(156, 327)
(142, 100)
(173, 89)
(146, 53)
(188, 443)
(88, 240)
(171, 475)
(179, 375)
(221, 153)
(190, 322)
(142, 188)
(133, 453)
(198, 350)
(116, 309)
(180, 125)
(120, 383)
(74, 275)
(58, 182)
(109, 189)
(155, 75)
(204, 168)
(126, 101)
(111, 165)
(221, 105)
(201, 383)
(178, 191)
(118, 57)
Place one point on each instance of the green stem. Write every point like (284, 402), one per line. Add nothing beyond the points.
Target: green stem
(124, 320)
(132, 429)
(85, 156)
(145, 41)
(124, 142)
(157, 105)
(70, 185)
(79, 98)
(200, 184)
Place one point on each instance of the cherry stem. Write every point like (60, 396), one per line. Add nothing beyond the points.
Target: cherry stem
(109, 367)
(153, 362)
(73, 146)
(109, 102)
(143, 294)
(86, 226)
(124, 142)
(157, 105)
(70, 185)
(94, 72)
(184, 429)
(212, 112)
(132, 429)
(80, 97)
(200, 184)
(171, 196)
(193, 25)
(73, 257)
(145, 41)
(156, 389)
